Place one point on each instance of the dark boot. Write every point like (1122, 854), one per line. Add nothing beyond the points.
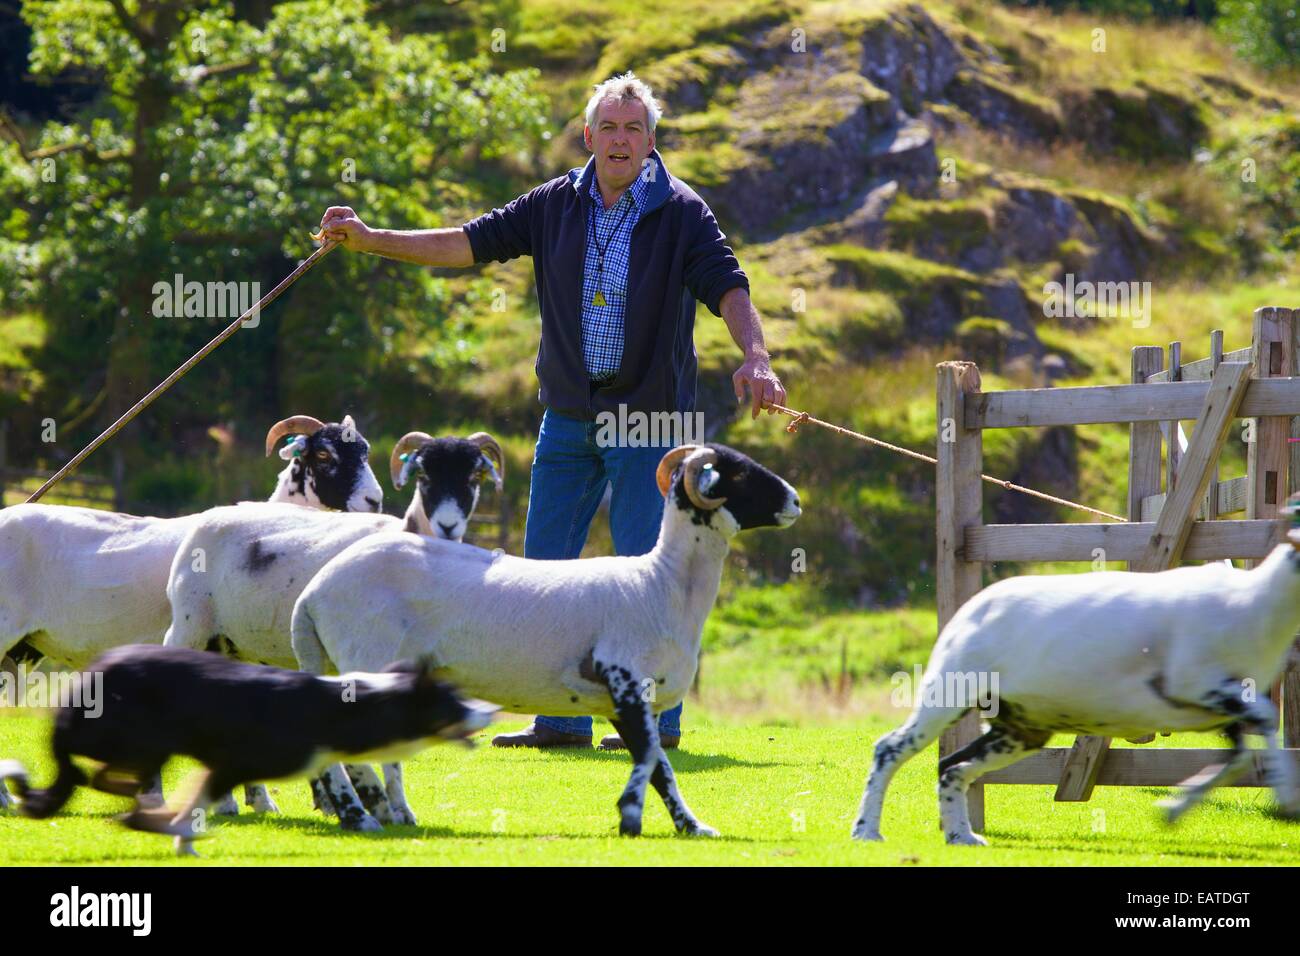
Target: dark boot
(539, 735)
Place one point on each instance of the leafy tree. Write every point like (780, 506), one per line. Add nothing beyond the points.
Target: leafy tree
(1265, 31)
(211, 154)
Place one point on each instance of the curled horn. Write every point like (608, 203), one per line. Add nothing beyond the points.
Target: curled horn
(668, 464)
(294, 425)
(404, 444)
(488, 445)
(696, 463)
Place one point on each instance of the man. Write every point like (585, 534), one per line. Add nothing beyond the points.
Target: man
(621, 252)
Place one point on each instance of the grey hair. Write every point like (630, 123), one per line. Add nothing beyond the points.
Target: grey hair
(625, 87)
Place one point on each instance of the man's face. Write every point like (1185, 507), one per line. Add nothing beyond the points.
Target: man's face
(620, 142)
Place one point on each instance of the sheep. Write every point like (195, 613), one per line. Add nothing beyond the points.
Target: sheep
(1109, 653)
(617, 637)
(239, 569)
(77, 581)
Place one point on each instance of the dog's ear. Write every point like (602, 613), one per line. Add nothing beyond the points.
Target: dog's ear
(429, 672)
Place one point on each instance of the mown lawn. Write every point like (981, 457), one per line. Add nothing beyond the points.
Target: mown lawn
(781, 795)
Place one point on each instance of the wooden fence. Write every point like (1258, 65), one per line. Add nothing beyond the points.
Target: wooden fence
(1181, 521)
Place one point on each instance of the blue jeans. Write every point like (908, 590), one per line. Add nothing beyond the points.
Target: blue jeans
(570, 472)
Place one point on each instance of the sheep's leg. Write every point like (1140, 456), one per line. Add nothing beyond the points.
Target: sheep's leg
(665, 782)
(226, 806)
(320, 800)
(258, 799)
(370, 791)
(957, 771)
(1279, 771)
(1280, 774)
(640, 731)
(1254, 717)
(1216, 775)
(403, 815)
(339, 792)
(893, 750)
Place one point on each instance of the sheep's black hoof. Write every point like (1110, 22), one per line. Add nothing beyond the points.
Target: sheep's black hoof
(629, 826)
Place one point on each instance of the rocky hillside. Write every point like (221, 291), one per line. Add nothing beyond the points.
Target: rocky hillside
(900, 182)
(912, 176)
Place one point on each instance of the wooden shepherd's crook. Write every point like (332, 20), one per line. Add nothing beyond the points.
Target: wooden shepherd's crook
(189, 363)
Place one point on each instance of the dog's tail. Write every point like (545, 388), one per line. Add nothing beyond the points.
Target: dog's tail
(40, 804)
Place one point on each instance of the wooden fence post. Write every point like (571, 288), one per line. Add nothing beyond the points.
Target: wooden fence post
(1087, 754)
(959, 497)
(1268, 458)
(1173, 454)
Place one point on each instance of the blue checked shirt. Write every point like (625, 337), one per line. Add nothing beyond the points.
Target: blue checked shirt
(602, 326)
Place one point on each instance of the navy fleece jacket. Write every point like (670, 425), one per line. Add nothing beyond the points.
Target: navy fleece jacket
(679, 255)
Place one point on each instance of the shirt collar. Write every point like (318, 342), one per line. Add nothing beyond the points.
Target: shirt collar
(638, 190)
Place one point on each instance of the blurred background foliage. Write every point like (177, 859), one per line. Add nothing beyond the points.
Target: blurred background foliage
(206, 139)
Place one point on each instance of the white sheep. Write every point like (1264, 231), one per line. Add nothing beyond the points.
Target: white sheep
(75, 582)
(618, 637)
(239, 569)
(1110, 653)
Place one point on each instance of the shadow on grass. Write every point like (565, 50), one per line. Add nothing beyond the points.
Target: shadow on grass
(323, 827)
(681, 761)
(1152, 848)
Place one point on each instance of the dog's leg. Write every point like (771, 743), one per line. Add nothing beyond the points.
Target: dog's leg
(117, 781)
(401, 810)
(339, 792)
(192, 821)
(151, 797)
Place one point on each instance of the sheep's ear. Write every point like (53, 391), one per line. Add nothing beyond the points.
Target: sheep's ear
(294, 448)
(490, 468)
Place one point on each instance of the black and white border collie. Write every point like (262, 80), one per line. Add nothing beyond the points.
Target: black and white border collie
(243, 722)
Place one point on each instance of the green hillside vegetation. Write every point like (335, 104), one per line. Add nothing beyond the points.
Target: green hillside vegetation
(899, 180)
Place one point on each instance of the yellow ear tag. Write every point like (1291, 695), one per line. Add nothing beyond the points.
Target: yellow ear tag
(598, 298)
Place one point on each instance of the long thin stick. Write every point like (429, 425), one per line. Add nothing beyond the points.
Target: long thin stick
(192, 361)
(801, 417)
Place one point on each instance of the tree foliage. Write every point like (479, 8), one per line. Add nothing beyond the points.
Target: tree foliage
(212, 153)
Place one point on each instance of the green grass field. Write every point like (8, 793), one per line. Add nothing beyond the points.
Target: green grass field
(781, 795)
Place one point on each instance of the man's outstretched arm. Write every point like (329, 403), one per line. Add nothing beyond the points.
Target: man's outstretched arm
(756, 373)
(424, 247)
